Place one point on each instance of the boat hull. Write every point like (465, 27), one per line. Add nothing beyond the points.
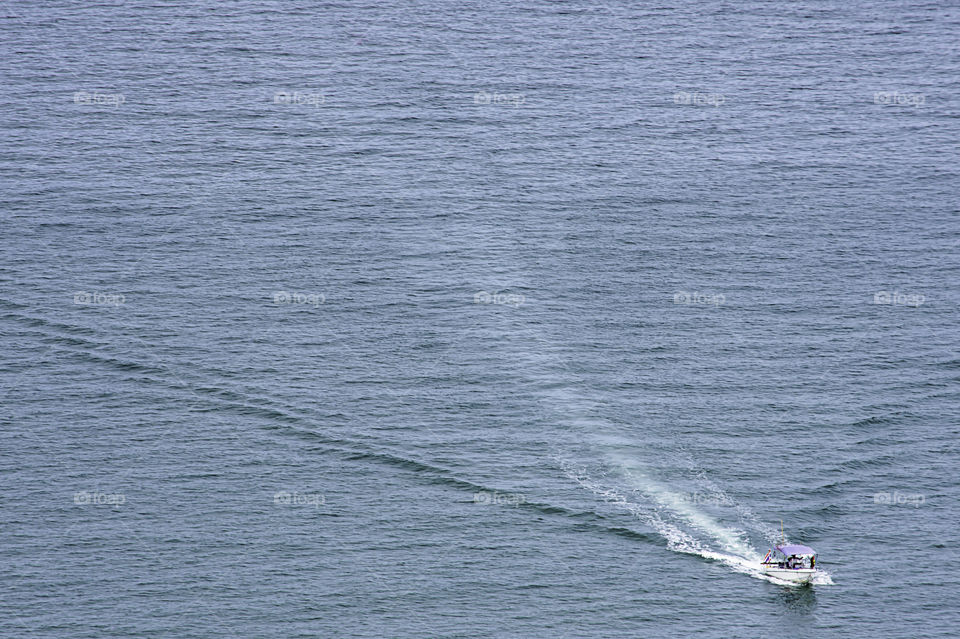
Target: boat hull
(801, 576)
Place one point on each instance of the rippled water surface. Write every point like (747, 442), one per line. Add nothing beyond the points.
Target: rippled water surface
(496, 319)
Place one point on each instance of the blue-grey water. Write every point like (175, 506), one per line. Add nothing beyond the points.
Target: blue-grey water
(460, 319)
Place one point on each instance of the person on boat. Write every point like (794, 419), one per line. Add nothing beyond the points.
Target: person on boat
(813, 561)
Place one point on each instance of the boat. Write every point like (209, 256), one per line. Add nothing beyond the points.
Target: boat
(791, 562)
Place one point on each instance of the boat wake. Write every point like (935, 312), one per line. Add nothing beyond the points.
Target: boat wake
(622, 481)
(679, 520)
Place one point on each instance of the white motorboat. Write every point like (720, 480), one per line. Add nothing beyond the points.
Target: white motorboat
(791, 562)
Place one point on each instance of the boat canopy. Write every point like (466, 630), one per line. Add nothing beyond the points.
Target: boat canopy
(796, 549)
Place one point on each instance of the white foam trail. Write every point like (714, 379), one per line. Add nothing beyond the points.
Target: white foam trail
(744, 514)
(730, 540)
(734, 551)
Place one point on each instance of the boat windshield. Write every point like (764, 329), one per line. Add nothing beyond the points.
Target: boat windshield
(791, 560)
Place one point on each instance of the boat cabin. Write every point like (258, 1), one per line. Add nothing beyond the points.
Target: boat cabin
(791, 557)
